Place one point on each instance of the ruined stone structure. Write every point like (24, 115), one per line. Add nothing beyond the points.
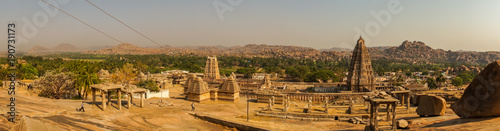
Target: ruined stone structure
(103, 74)
(212, 69)
(230, 90)
(198, 91)
(189, 82)
(360, 77)
(267, 82)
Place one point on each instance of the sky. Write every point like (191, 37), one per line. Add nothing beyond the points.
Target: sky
(321, 24)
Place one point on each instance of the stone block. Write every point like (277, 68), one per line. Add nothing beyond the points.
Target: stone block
(431, 105)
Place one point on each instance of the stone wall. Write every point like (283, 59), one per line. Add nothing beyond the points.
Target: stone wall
(264, 98)
(316, 97)
(199, 97)
(229, 96)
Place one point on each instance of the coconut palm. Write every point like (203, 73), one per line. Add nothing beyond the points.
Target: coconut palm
(85, 79)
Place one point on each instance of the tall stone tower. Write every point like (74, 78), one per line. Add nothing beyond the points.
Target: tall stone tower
(212, 68)
(360, 77)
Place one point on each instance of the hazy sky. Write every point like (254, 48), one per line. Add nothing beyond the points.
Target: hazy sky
(445, 24)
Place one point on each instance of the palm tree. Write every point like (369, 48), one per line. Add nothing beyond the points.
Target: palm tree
(85, 79)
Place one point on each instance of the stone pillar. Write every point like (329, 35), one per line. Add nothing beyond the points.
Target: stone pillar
(388, 111)
(109, 98)
(287, 104)
(284, 100)
(376, 116)
(394, 117)
(103, 95)
(129, 98)
(273, 99)
(371, 115)
(142, 100)
(351, 106)
(119, 99)
(408, 102)
(93, 96)
(403, 100)
(270, 105)
(309, 105)
(326, 105)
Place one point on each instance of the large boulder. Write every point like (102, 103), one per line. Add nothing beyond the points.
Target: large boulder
(482, 97)
(431, 105)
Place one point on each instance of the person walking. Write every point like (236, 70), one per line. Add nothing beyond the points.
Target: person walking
(82, 109)
(192, 106)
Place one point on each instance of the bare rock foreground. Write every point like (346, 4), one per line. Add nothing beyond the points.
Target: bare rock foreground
(482, 96)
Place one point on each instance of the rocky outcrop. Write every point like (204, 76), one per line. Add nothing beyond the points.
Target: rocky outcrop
(431, 105)
(411, 51)
(482, 97)
(126, 48)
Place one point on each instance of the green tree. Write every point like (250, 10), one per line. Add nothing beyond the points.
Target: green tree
(148, 84)
(440, 80)
(457, 81)
(292, 72)
(431, 83)
(303, 72)
(246, 71)
(28, 71)
(324, 75)
(84, 79)
(425, 72)
(466, 77)
(125, 75)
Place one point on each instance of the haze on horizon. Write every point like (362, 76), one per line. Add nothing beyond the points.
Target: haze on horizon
(321, 24)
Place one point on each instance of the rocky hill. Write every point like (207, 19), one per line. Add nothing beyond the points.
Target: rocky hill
(38, 49)
(126, 48)
(412, 51)
(59, 48)
(417, 51)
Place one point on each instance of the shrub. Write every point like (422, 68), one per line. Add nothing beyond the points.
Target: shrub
(148, 84)
(56, 85)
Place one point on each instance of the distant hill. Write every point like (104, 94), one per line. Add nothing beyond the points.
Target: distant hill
(412, 51)
(126, 48)
(38, 49)
(337, 49)
(66, 48)
(59, 48)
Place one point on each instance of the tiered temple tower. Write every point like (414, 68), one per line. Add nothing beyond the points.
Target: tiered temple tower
(360, 77)
(230, 90)
(198, 90)
(212, 68)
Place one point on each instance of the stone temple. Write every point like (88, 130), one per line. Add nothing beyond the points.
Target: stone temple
(230, 90)
(360, 77)
(198, 90)
(212, 69)
(189, 82)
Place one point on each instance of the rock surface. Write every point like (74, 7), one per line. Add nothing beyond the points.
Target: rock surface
(481, 98)
(431, 105)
